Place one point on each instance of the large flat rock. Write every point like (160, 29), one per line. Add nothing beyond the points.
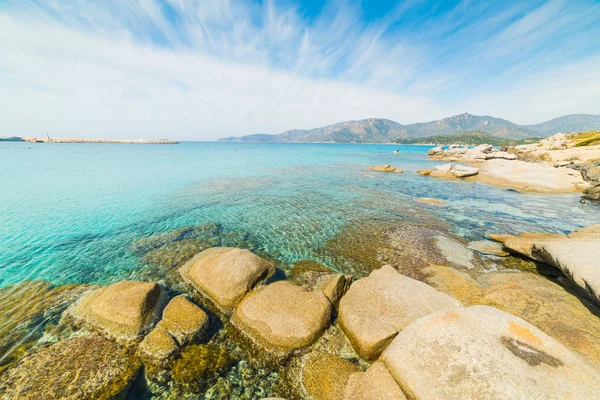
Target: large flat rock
(283, 316)
(123, 311)
(484, 353)
(86, 367)
(379, 306)
(578, 259)
(530, 177)
(225, 275)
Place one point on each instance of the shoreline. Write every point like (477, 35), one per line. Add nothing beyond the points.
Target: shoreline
(95, 141)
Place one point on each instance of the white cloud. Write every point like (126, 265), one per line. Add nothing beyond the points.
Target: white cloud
(219, 68)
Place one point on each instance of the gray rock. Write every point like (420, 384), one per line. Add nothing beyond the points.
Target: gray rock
(484, 353)
(460, 171)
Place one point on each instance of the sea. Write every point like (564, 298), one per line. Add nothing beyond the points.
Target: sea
(70, 212)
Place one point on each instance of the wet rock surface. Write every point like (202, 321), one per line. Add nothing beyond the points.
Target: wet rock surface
(481, 352)
(376, 383)
(123, 311)
(324, 376)
(83, 367)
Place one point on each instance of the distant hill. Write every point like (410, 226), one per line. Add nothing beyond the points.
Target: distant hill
(379, 130)
(568, 123)
(472, 138)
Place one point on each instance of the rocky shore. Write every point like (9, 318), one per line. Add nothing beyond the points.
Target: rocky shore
(417, 314)
(88, 140)
(554, 165)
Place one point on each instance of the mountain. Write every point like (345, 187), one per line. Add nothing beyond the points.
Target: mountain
(472, 138)
(378, 130)
(568, 123)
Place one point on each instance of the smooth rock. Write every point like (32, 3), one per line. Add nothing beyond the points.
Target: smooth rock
(184, 320)
(435, 150)
(225, 275)
(85, 367)
(460, 171)
(592, 193)
(158, 345)
(488, 248)
(523, 244)
(578, 259)
(443, 168)
(589, 232)
(481, 352)
(379, 306)
(123, 311)
(385, 168)
(283, 316)
(324, 376)
(376, 383)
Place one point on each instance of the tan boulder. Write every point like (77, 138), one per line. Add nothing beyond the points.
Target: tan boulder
(85, 367)
(324, 376)
(158, 345)
(385, 168)
(379, 306)
(376, 383)
(481, 352)
(431, 200)
(578, 259)
(225, 275)
(589, 232)
(283, 316)
(123, 311)
(184, 320)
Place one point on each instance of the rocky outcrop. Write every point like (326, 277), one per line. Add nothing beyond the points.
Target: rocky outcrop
(589, 232)
(86, 367)
(123, 311)
(182, 322)
(450, 171)
(376, 383)
(282, 316)
(523, 244)
(379, 306)
(225, 275)
(324, 376)
(385, 168)
(458, 152)
(482, 352)
(578, 259)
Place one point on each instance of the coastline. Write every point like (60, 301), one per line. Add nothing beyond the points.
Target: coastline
(95, 141)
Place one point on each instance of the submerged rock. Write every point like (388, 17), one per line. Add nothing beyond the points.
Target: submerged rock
(225, 275)
(123, 311)
(430, 200)
(86, 367)
(324, 376)
(158, 345)
(208, 231)
(26, 309)
(376, 383)
(376, 308)
(385, 168)
(482, 352)
(315, 276)
(282, 316)
(488, 248)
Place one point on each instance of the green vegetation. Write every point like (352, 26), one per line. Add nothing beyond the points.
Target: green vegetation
(472, 138)
(587, 138)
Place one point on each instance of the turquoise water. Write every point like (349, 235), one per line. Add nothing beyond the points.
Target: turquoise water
(69, 212)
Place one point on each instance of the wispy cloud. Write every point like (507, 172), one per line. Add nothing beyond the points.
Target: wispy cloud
(206, 69)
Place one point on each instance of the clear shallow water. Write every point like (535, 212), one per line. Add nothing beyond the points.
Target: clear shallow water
(69, 212)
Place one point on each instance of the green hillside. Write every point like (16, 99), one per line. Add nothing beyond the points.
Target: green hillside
(472, 138)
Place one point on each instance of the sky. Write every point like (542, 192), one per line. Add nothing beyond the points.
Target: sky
(201, 70)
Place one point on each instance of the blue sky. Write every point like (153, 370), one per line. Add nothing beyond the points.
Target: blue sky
(207, 69)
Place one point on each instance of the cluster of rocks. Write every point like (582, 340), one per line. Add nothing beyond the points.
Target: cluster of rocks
(385, 168)
(450, 171)
(577, 254)
(406, 339)
(591, 173)
(459, 152)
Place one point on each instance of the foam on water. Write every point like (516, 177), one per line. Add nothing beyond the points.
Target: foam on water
(69, 212)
